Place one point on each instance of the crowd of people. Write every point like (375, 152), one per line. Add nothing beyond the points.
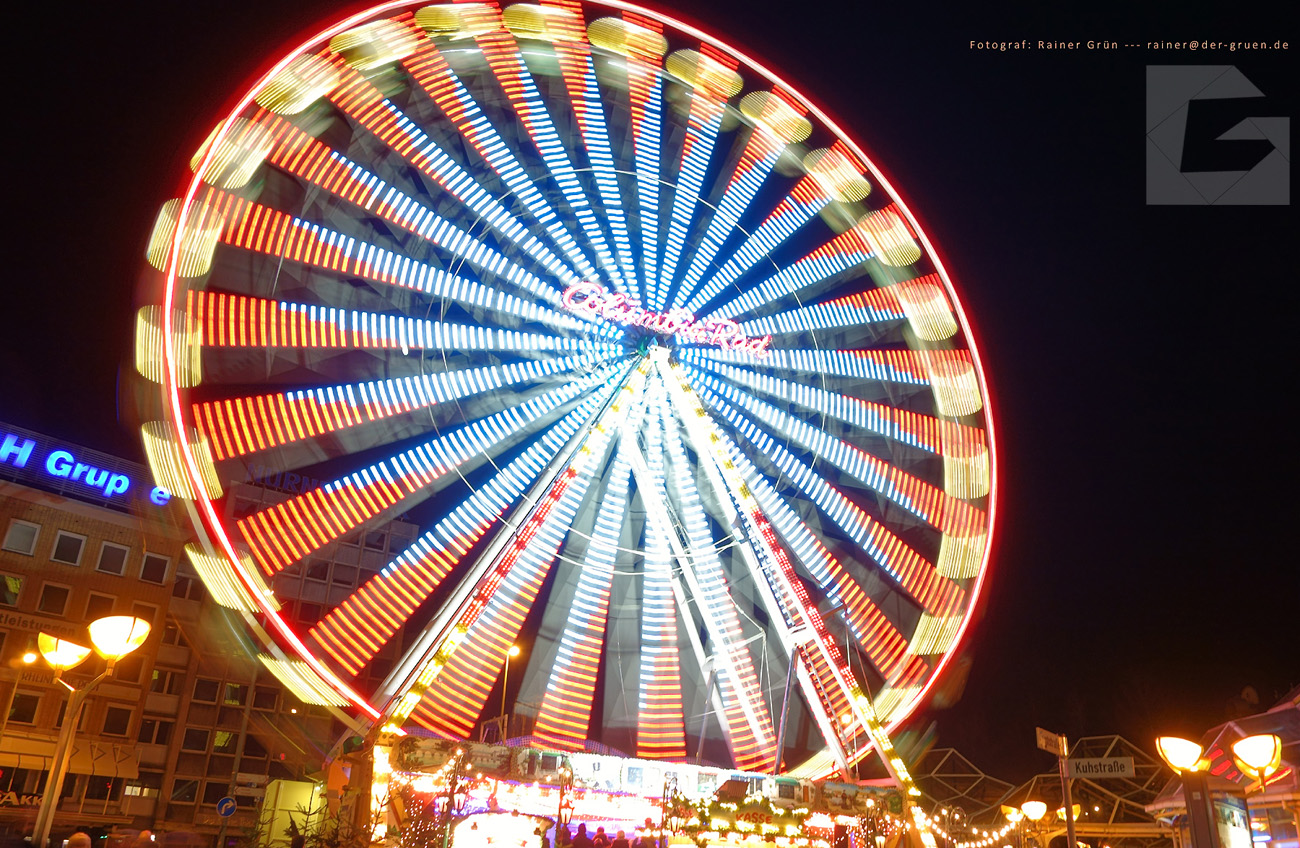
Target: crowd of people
(600, 839)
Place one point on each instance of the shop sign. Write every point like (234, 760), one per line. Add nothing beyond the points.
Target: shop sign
(73, 469)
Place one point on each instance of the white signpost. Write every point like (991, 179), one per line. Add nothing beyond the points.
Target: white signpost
(1055, 743)
(1101, 767)
(1050, 742)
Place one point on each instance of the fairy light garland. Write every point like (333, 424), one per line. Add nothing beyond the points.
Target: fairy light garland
(987, 837)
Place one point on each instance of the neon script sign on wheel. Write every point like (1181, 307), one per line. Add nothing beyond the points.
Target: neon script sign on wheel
(594, 300)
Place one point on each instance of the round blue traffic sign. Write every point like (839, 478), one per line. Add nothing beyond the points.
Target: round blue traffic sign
(226, 807)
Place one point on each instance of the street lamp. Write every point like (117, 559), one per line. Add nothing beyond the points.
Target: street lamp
(1259, 755)
(1034, 810)
(505, 678)
(113, 637)
(1186, 758)
(1181, 754)
(1032, 813)
(1016, 816)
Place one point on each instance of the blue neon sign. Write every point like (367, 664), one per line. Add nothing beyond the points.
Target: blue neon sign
(78, 470)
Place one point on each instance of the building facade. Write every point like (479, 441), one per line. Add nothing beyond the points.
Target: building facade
(190, 718)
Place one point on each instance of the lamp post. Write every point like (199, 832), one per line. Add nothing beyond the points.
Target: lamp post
(1185, 758)
(1259, 755)
(1034, 812)
(1016, 816)
(113, 637)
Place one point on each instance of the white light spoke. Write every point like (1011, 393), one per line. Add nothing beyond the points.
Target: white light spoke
(801, 206)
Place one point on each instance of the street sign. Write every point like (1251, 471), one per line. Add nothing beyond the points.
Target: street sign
(226, 807)
(1050, 742)
(1100, 767)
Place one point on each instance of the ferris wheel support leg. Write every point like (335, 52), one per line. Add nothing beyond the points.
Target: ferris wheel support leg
(825, 721)
(658, 514)
(793, 635)
(710, 691)
(785, 714)
(860, 704)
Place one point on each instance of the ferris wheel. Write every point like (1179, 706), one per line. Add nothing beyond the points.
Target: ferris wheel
(668, 380)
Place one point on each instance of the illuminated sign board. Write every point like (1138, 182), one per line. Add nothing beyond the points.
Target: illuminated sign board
(595, 301)
(73, 470)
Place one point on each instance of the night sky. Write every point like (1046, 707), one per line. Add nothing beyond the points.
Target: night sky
(1140, 357)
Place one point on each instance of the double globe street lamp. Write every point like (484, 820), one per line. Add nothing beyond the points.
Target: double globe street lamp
(1031, 811)
(1258, 756)
(113, 637)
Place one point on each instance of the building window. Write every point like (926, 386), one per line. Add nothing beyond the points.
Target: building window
(148, 612)
(117, 720)
(112, 559)
(184, 791)
(147, 785)
(172, 635)
(155, 731)
(205, 690)
(264, 697)
(196, 739)
(128, 669)
(154, 569)
(103, 788)
(98, 606)
(20, 780)
(21, 537)
(253, 748)
(309, 614)
(166, 681)
(215, 791)
(23, 709)
(68, 548)
(63, 711)
(187, 588)
(224, 741)
(54, 599)
(236, 695)
(11, 586)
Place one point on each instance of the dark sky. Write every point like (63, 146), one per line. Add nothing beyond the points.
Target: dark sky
(1140, 357)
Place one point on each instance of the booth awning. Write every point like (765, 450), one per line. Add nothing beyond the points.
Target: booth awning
(107, 759)
(26, 752)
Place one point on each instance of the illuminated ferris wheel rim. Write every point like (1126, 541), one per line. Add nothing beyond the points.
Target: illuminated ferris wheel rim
(207, 513)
